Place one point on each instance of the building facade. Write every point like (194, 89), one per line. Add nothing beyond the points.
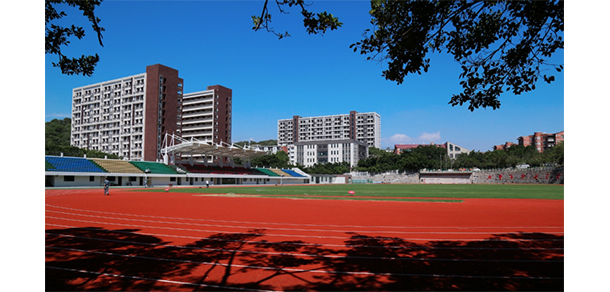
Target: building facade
(541, 141)
(329, 151)
(130, 116)
(363, 127)
(454, 150)
(206, 115)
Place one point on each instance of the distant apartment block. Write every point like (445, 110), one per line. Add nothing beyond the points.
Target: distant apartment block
(329, 151)
(130, 116)
(541, 141)
(453, 150)
(363, 127)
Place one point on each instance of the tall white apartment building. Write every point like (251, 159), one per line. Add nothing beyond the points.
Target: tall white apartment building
(363, 127)
(128, 116)
(330, 151)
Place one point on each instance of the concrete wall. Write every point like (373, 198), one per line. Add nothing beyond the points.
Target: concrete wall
(445, 178)
(327, 179)
(79, 181)
(526, 176)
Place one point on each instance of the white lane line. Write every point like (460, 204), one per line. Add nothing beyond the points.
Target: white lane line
(298, 254)
(300, 224)
(297, 270)
(275, 228)
(276, 235)
(156, 279)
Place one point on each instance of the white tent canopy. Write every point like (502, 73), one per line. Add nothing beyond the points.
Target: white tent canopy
(174, 144)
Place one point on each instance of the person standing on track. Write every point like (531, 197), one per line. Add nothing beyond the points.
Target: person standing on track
(207, 184)
(106, 187)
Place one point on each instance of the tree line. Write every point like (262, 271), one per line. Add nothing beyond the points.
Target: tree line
(434, 157)
(425, 157)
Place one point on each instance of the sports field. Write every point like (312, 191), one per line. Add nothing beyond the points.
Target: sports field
(384, 237)
(390, 191)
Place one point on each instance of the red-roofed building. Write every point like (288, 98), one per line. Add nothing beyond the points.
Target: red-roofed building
(398, 148)
(504, 147)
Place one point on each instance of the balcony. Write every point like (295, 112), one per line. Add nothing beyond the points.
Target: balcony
(203, 101)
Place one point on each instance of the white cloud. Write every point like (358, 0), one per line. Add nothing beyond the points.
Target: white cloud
(400, 139)
(430, 137)
(423, 138)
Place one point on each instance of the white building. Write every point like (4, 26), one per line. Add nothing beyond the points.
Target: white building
(363, 127)
(330, 151)
(454, 150)
(128, 116)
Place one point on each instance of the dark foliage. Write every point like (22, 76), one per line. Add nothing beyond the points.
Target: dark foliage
(314, 23)
(500, 45)
(57, 36)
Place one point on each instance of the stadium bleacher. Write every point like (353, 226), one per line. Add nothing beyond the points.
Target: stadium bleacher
(291, 172)
(71, 164)
(116, 166)
(267, 172)
(48, 165)
(279, 172)
(154, 167)
(65, 171)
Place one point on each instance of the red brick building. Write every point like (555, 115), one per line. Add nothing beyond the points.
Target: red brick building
(540, 140)
(129, 116)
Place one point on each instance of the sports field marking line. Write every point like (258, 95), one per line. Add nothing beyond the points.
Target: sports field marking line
(299, 224)
(293, 269)
(274, 235)
(303, 254)
(276, 228)
(337, 197)
(156, 279)
(311, 244)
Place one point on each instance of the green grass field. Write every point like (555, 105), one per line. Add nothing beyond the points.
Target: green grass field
(402, 192)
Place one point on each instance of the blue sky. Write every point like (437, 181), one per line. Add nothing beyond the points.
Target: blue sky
(211, 42)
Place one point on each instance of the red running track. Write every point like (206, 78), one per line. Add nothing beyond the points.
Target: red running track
(185, 242)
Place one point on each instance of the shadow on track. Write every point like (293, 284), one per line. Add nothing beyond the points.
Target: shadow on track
(512, 261)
